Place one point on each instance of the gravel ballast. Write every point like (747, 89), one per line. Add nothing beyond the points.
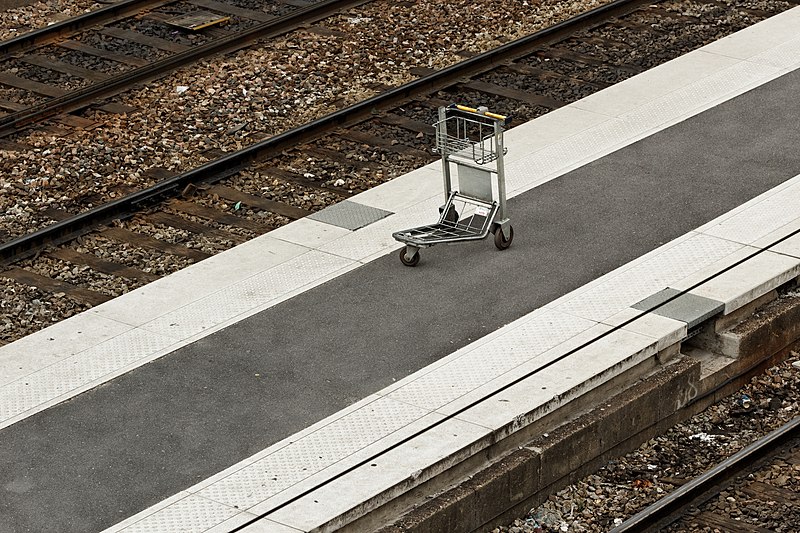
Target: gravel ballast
(628, 484)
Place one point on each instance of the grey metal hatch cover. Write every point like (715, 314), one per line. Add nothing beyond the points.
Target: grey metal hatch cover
(689, 308)
(349, 215)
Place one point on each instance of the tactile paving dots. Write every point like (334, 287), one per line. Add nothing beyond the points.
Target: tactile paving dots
(192, 514)
(786, 55)
(312, 453)
(254, 292)
(79, 370)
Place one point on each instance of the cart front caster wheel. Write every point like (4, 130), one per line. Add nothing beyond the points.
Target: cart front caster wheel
(500, 240)
(409, 262)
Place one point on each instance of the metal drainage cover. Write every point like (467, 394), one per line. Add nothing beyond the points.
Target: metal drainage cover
(349, 215)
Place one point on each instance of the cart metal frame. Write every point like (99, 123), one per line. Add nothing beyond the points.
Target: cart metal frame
(471, 141)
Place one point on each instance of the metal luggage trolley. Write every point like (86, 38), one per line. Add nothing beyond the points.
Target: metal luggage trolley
(472, 141)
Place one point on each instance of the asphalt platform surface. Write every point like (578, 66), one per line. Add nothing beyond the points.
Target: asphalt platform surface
(106, 454)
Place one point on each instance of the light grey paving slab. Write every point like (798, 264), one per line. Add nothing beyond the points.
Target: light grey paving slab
(248, 295)
(386, 475)
(513, 346)
(75, 373)
(399, 194)
(187, 286)
(748, 280)
(549, 387)
(547, 130)
(706, 91)
(160, 506)
(773, 211)
(689, 308)
(785, 241)
(655, 83)
(631, 123)
(666, 331)
(524, 371)
(350, 215)
(531, 169)
(786, 56)
(738, 210)
(264, 525)
(755, 40)
(308, 232)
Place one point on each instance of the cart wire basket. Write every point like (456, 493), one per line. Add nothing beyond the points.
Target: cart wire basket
(467, 137)
(469, 140)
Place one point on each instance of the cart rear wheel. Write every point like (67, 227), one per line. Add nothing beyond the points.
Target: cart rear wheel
(500, 240)
(409, 262)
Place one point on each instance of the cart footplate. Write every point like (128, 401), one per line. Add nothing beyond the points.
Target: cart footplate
(462, 219)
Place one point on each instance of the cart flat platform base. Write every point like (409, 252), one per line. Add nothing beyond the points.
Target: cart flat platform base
(462, 219)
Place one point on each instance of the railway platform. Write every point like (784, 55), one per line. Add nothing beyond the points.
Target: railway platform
(307, 380)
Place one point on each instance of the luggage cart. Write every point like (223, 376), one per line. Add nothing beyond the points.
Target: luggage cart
(471, 140)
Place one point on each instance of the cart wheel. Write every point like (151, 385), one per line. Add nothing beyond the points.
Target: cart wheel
(409, 263)
(500, 240)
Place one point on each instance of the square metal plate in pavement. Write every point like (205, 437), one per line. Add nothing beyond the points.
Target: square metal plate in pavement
(349, 215)
(688, 308)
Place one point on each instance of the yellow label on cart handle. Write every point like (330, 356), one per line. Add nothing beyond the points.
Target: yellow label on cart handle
(485, 113)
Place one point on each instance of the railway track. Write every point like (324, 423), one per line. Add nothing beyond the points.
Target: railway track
(236, 196)
(745, 474)
(67, 66)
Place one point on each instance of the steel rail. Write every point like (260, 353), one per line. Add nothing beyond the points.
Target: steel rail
(104, 15)
(670, 508)
(30, 244)
(81, 98)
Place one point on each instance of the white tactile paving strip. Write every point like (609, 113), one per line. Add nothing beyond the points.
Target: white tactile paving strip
(288, 468)
(90, 365)
(256, 292)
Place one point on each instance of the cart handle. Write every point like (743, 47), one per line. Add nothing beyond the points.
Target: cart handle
(495, 116)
